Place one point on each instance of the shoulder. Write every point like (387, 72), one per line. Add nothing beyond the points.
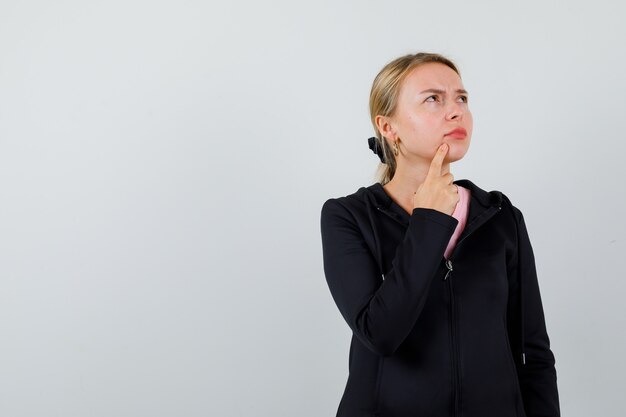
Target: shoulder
(351, 205)
(517, 213)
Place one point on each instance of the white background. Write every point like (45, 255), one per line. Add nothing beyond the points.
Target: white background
(163, 165)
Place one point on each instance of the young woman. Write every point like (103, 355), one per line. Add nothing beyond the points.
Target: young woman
(435, 277)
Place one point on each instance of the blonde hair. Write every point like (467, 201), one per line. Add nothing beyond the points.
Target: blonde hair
(384, 99)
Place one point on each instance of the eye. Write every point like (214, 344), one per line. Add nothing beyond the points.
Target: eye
(465, 98)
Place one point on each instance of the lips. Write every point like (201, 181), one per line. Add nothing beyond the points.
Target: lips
(459, 132)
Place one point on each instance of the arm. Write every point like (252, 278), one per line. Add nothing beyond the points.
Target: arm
(381, 313)
(537, 377)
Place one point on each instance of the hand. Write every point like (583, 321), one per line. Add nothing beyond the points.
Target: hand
(437, 191)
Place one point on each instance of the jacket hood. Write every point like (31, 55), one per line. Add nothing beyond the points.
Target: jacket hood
(478, 195)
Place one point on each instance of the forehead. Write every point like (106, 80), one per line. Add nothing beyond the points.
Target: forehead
(431, 75)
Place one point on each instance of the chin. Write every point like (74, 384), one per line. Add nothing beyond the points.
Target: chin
(456, 153)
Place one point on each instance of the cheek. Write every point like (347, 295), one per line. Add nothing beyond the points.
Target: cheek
(423, 124)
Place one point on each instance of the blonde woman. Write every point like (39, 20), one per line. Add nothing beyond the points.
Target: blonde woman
(434, 276)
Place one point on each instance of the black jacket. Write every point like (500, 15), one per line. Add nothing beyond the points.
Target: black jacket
(435, 337)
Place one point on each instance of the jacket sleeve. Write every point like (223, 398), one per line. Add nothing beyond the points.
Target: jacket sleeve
(381, 312)
(537, 376)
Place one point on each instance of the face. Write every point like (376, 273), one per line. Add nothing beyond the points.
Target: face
(423, 118)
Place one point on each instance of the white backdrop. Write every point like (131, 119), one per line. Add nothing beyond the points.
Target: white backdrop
(163, 166)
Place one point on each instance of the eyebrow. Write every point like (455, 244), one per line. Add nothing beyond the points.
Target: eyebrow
(435, 90)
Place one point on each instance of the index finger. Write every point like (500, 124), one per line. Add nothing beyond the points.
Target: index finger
(435, 164)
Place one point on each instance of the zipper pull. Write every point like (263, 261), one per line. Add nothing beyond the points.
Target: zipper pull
(523, 358)
(449, 265)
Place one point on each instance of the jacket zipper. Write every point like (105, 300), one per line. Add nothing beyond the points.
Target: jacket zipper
(455, 365)
(453, 321)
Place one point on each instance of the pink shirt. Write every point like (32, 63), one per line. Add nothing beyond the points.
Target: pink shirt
(460, 213)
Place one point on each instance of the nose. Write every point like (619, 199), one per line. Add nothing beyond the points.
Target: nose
(456, 111)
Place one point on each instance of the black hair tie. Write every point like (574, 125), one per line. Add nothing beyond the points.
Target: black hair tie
(377, 149)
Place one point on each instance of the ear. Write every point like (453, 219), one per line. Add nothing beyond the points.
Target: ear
(384, 125)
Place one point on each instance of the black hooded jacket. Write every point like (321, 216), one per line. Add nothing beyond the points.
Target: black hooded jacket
(437, 337)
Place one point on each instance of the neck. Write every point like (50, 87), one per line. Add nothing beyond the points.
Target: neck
(407, 179)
